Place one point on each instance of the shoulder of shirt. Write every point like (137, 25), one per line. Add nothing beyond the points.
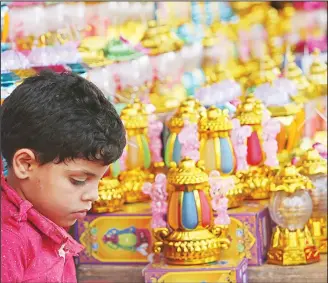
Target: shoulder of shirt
(24, 229)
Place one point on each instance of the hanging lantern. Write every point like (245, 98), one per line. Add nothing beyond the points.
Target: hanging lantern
(192, 237)
(312, 165)
(136, 159)
(290, 208)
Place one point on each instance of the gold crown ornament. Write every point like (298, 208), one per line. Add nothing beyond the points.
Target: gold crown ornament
(291, 207)
(191, 238)
(111, 196)
(312, 165)
(318, 76)
(136, 158)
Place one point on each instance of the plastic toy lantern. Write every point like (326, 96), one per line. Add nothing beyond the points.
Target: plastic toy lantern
(250, 113)
(312, 165)
(217, 151)
(135, 162)
(291, 207)
(192, 237)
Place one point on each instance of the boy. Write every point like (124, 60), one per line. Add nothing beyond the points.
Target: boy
(58, 136)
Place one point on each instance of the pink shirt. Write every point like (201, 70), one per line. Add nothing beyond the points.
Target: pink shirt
(33, 248)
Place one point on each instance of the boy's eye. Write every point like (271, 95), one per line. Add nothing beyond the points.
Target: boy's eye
(77, 182)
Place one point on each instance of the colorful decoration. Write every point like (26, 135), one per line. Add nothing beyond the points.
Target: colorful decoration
(188, 138)
(192, 238)
(291, 207)
(158, 195)
(250, 113)
(225, 191)
(138, 156)
(130, 239)
(239, 136)
(215, 145)
(270, 146)
(312, 165)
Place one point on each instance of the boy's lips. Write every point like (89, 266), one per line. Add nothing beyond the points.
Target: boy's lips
(80, 214)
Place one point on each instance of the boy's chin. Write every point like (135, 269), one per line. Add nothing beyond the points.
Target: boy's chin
(67, 223)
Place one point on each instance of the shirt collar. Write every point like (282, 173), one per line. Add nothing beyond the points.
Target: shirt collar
(45, 225)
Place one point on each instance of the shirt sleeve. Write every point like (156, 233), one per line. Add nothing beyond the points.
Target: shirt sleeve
(13, 258)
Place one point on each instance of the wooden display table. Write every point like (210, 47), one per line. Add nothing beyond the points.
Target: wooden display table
(313, 273)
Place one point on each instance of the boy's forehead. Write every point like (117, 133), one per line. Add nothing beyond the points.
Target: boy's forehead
(84, 166)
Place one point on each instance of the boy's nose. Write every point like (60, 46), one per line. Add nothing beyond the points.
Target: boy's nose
(91, 194)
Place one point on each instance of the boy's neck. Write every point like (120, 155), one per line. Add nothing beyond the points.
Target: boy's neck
(14, 183)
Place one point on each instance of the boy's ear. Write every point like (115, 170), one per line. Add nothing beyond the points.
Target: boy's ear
(24, 162)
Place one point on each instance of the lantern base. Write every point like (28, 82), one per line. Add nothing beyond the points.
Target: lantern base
(292, 247)
(190, 247)
(111, 196)
(318, 228)
(257, 182)
(235, 200)
(132, 183)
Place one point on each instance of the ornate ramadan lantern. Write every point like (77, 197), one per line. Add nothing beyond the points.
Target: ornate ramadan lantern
(216, 148)
(217, 151)
(188, 111)
(291, 207)
(191, 238)
(262, 169)
(136, 159)
(312, 165)
(250, 113)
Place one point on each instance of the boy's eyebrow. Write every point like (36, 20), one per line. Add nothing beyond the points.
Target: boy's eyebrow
(84, 172)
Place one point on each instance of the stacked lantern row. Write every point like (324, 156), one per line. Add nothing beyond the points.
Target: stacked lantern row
(239, 159)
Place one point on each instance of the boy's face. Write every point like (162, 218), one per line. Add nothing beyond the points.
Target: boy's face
(62, 192)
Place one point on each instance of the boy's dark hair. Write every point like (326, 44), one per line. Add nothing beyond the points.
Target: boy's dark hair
(61, 117)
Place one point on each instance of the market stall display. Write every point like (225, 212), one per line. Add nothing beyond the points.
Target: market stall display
(224, 106)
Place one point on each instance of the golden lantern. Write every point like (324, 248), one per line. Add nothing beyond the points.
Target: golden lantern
(191, 238)
(312, 165)
(137, 160)
(217, 152)
(291, 207)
